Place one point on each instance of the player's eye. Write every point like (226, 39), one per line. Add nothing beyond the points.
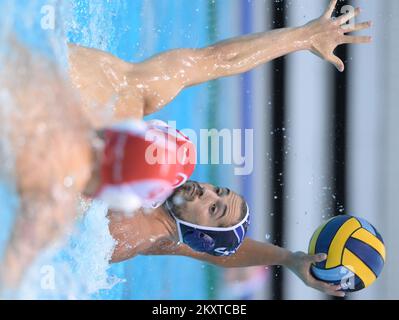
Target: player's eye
(212, 209)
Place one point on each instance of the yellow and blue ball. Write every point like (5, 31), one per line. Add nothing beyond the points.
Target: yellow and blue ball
(355, 250)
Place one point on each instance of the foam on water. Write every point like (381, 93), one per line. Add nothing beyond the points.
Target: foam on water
(77, 267)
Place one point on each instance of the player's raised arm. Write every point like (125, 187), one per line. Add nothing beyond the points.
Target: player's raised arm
(166, 74)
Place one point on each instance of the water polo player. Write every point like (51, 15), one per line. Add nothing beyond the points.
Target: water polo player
(127, 179)
(177, 217)
(140, 89)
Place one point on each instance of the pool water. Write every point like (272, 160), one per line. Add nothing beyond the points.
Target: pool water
(77, 267)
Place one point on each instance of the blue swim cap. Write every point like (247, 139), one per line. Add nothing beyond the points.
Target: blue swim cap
(214, 241)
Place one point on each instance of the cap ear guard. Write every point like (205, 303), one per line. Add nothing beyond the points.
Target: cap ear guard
(199, 241)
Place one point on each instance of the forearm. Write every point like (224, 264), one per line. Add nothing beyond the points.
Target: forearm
(242, 54)
(163, 76)
(252, 253)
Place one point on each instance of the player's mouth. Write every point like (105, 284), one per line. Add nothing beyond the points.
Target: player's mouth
(186, 193)
(191, 190)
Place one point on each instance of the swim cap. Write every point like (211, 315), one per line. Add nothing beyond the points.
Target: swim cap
(186, 151)
(128, 179)
(211, 240)
(185, 157)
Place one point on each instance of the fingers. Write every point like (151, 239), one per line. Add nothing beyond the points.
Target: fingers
(348, 16)
(332, 290)
(357, 27)
(329, 289)
(357, 39)
(337, 62)
(317, 258)
(331, 8)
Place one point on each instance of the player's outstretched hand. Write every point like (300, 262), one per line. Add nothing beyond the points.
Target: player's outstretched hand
(300, 264)
(326, 34)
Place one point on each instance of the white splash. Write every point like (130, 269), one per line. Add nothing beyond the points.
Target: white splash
(78, 266)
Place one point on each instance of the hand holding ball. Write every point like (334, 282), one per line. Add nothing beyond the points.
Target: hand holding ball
(355, 253)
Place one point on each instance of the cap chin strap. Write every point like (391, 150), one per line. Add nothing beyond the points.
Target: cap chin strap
(169, 209)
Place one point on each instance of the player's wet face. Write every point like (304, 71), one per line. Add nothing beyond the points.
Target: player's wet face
(206, 205)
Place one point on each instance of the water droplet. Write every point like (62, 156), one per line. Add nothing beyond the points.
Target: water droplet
(68, 182)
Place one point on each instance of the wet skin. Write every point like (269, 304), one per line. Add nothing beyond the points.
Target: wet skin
(150, 85)
(198, 203)
(50, 143)
(112, 90)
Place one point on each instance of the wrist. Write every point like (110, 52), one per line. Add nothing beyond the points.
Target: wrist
(288, 259)
(303, 38)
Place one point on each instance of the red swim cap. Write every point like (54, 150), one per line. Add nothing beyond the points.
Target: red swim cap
(186, 153)
(142, 164)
